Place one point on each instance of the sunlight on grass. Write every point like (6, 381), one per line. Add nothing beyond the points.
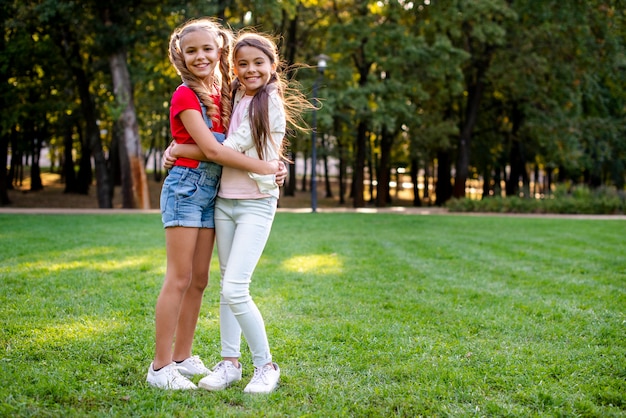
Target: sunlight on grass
(103, 259)
(315, 263)
(82, 329)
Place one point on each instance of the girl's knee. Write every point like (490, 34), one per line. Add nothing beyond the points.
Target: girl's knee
(200, 281)
(231, 295)
(177, 284)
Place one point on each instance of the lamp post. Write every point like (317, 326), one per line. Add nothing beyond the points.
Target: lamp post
(321, 66)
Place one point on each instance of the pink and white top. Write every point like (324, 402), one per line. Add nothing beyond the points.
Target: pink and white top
(238, 184)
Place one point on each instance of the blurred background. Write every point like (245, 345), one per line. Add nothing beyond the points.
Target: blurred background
(421, 101)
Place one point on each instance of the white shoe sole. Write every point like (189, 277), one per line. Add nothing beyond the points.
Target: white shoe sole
(211, 388)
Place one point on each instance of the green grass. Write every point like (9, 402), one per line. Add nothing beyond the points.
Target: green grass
(367, 315)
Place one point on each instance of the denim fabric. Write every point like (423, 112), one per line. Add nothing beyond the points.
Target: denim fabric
(188, 196)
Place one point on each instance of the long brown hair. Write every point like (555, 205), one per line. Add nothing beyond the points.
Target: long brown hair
(294, 102)
(221, 81)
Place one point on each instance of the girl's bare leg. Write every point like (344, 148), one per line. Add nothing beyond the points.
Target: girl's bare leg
(180, 245)
(192, 301)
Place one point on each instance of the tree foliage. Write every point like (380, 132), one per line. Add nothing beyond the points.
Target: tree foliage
(497, 90)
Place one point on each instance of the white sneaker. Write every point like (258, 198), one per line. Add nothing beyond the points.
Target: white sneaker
(223, 375)
(265, 379)
(192, 366)
(168, 378)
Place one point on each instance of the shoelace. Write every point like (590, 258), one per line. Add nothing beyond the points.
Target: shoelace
(175, 376)
(259, 374)
(221, 370)
(195, 361)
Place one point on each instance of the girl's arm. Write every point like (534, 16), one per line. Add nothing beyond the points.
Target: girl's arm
(174, 151)
(171, 154)
(188, 151)
(214, 151)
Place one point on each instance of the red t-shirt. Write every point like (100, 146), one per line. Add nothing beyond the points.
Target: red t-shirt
(184, 98)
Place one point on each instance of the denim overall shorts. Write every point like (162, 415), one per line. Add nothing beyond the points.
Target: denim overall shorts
(188, 194)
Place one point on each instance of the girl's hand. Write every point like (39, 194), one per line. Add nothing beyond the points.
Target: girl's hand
(168, 160)
(281, 174)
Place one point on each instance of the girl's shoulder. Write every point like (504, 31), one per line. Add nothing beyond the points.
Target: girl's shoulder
(184, 96)
(239, 94)
(241, 99)
(183, 90)
(275, 100)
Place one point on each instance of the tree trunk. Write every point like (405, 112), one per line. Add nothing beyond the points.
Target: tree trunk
(290, 188)
(67, 169)
(426, 182)
(122, 168)
(329, 190)
(115, 162)
(548, 185)
(4, 134)
(486, 183)
(363, 66)
(342, 181)
(15, 166)
(359, 165)
(497, 180)
(443, 186)
(384, 170)
(536, 187)
(4, 180)
(132, 167)
(341, 150)
(417, 202)
(475, 93)
(475, 82)
(85, 174)
(92, 144)
(35, 169)
(512, 183)
(35, 175)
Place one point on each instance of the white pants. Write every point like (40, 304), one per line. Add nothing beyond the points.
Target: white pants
(242, 228)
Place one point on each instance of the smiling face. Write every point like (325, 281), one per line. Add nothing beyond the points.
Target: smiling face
(253, 68)
(201, 53)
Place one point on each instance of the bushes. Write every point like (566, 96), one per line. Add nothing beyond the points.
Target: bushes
(575, 200)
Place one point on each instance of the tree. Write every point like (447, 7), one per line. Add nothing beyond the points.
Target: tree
(477, 28)
(6, 10)
(61, 21)
(117, 24)
(487, 89)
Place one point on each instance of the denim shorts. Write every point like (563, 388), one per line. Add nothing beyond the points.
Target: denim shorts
(188, 196)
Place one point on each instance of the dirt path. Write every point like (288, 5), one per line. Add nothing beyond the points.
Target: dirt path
(52, 200)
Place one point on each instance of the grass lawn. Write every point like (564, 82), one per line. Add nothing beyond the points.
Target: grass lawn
(368, 315)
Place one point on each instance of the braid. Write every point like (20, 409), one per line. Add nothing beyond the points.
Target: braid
(226, 92)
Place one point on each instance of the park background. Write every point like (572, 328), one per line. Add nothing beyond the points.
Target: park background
(448, 99)
(371, 313)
